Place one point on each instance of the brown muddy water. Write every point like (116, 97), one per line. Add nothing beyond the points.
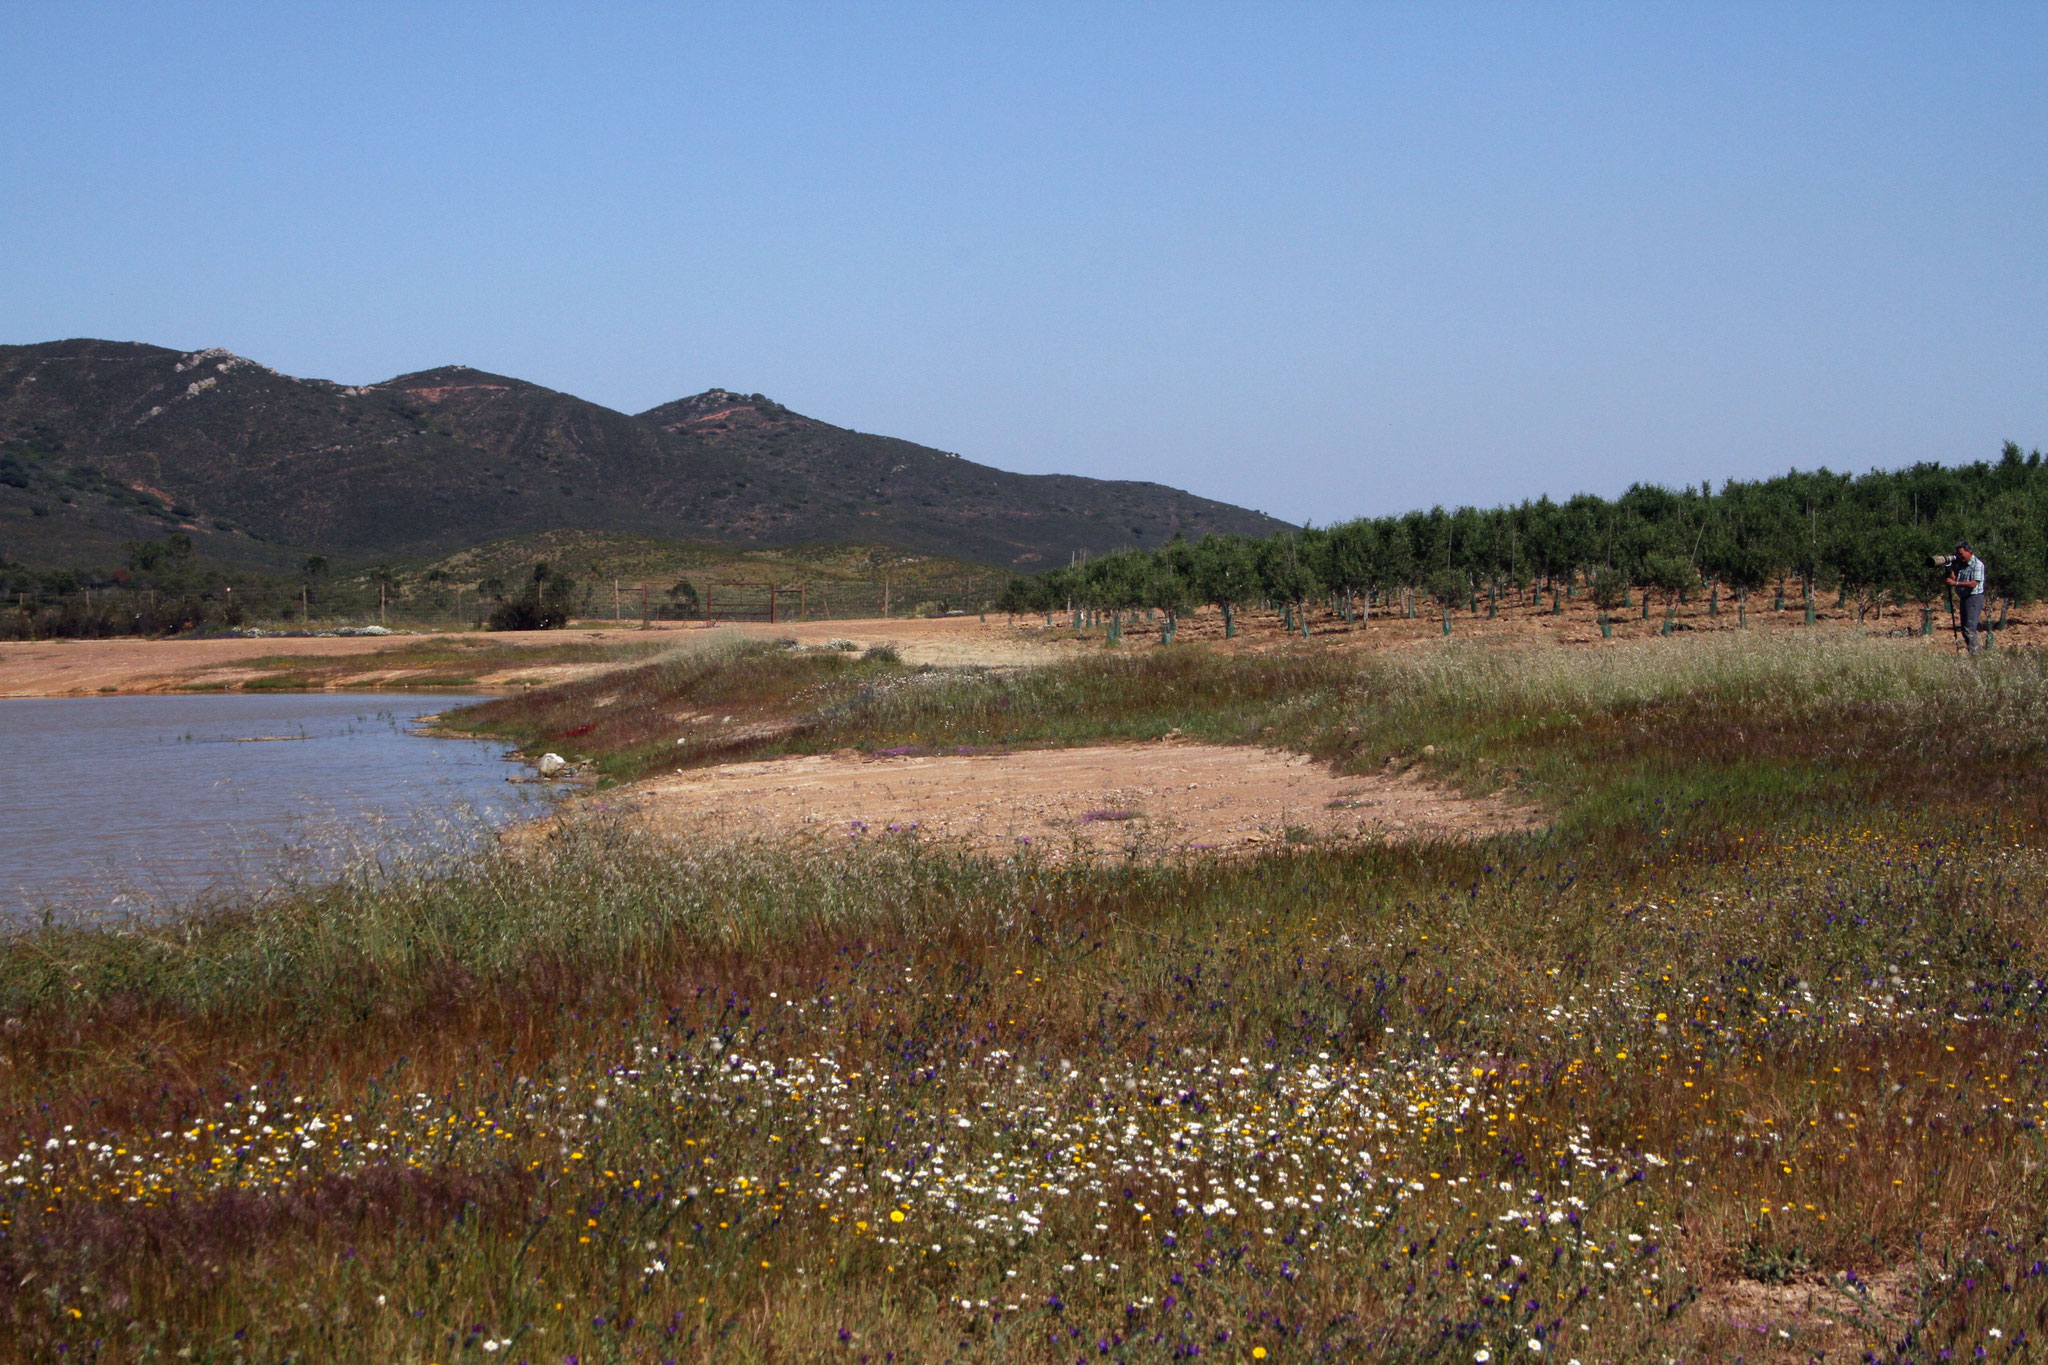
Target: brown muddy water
(118, 807)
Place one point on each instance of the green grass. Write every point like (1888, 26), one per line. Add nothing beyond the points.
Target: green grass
(1760, 1011)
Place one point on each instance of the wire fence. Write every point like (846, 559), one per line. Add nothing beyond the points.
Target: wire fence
(720, 599)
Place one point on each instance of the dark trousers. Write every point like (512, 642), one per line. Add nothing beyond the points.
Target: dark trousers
(1973, 612)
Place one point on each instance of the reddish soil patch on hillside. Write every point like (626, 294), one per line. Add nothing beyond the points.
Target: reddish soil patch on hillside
(435, 395)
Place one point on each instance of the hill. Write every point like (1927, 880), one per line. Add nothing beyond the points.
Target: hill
(103, 441)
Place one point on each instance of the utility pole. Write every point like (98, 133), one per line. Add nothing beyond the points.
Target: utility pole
(380, 601)
(643, 606)
(615, 601)
(885, 594)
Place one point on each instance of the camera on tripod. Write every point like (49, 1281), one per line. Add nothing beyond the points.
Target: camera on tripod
(1941, 561)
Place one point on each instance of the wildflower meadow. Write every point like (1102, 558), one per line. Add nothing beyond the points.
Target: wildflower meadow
(1738, 1058)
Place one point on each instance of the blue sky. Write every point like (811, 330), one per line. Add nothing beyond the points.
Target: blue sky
(1323, 260)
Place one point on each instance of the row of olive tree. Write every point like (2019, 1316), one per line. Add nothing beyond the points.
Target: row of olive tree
(1869, 538)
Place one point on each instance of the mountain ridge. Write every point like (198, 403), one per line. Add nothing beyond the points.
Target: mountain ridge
(104, 441)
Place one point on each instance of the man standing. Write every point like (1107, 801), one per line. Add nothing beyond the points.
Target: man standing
(1966, 576)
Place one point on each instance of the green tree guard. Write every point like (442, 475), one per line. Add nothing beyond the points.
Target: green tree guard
(1447, 620)
(1229, 622)
(1714, 600)
(1606, 627)
(1926, 619)
(1556, 602)
(1809, 604)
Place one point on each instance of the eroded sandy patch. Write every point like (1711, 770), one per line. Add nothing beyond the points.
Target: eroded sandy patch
(1098, 799)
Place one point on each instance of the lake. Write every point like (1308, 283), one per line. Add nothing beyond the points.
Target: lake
(114, 807)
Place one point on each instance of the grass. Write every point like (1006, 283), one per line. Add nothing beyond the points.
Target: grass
(1757, 1023)
(598, 558)
(1716, 724)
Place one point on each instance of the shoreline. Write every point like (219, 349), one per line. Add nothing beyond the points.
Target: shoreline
(499, 662)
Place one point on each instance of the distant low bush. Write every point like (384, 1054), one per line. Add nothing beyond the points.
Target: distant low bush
(544, 604)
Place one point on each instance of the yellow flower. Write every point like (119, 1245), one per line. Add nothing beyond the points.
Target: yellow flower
(895, 1215)
(1258, 1353)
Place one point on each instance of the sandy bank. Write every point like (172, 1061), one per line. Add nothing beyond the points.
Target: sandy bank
(1097, 799)
(76, 668)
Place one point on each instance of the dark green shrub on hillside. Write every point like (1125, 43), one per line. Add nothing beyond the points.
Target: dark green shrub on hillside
(543, 604)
